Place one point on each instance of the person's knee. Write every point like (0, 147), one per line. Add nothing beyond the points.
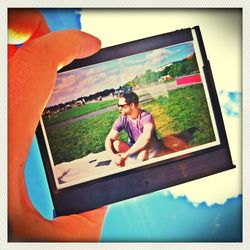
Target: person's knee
(120, 146)
(142, 156)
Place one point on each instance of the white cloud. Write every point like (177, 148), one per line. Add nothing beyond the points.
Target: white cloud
(219, 187)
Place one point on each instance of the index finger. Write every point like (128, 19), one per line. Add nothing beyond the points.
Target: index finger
(32, 73)
(25, 25)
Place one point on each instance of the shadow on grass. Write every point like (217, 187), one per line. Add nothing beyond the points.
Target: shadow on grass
(176, 142)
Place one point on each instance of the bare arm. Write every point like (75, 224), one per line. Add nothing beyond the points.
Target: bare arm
(112, 136)
(32, 72)
(143, 140)
(109, 145)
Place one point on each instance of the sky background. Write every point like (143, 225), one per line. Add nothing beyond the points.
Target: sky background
(81, 82)
(208, 209)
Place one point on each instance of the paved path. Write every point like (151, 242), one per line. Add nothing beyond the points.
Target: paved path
(79, 118)
(148, 94)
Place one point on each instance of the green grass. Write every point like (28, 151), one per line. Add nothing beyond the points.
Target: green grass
(81, 138)
(78, 111)
(184, 109)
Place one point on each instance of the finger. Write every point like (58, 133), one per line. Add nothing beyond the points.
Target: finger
(24, 25)
(96, 213)
(11, 50)
(32, 73)
(84, 227)
(94, 219)
(21, 29)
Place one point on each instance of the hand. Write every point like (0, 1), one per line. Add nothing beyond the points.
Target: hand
(123, 156)
(116, 159)
(32, 72)
(120, 162)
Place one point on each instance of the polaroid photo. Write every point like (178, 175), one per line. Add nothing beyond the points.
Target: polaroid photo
(142, 115)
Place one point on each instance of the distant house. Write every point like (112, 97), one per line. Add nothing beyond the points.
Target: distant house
(67, 106)
(79, 103)
(190, 79)
(190, 56)
(165, 78)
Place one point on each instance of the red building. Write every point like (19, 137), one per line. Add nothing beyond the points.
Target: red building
(191, 79)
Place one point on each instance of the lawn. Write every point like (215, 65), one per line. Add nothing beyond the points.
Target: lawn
(78, 111)
(81, 138)
(185, 108)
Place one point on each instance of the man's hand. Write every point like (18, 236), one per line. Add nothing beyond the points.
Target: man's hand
(123, 156)
(117, 160)
(32, 73)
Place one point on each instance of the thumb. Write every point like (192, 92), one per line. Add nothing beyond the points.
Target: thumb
(32, 73)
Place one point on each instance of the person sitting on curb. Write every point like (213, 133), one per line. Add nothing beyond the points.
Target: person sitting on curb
(139, 125)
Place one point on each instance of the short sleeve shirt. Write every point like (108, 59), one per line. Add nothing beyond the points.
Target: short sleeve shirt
(134, 129)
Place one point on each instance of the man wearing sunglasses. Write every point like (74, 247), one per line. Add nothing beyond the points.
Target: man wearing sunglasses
(140, 127)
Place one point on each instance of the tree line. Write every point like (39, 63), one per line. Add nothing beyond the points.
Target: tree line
(185, 66)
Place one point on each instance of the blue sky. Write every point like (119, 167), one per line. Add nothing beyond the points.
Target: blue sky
(160, 217)
(61, 19)
(230, 102)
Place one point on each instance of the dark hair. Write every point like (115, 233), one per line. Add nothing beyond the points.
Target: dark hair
(130, 97)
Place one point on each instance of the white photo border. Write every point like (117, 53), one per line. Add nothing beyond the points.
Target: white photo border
(149, 162)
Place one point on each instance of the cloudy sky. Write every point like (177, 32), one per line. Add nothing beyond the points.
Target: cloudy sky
(89, 80)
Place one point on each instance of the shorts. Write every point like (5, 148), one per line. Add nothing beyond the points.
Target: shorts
(154, 148)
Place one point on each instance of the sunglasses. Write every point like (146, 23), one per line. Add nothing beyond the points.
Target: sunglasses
(122, 105)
